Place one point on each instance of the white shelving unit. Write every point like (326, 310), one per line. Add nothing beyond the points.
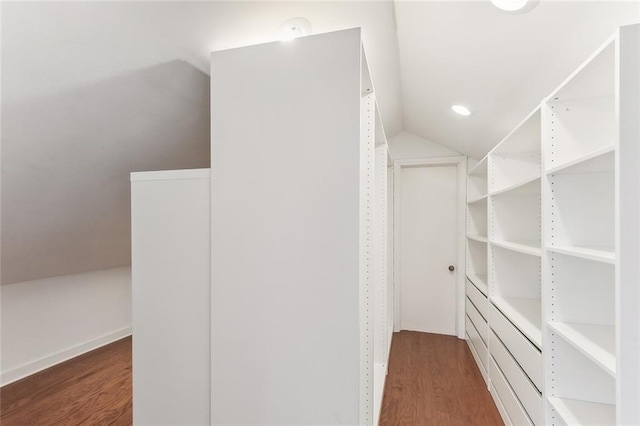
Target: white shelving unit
(563, 249)
(591, 288)
(514, 265)
(477, 288)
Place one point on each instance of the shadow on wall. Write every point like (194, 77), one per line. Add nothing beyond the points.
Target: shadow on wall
(66, 161)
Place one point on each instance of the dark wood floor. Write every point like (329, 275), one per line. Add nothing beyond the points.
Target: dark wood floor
(92, 389)
(433, 380)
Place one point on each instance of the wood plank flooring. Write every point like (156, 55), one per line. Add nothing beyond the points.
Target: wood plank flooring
(433, 380)
(92, 389)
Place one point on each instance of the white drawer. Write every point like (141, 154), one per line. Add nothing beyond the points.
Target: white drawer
(526, 392)
(508, 399)
(478, 299)
(527, 355)
(478, 344)
(477, 320)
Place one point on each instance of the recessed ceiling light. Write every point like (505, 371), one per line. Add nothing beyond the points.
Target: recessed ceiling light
(462, 110)
(294, 28)
(515, 6)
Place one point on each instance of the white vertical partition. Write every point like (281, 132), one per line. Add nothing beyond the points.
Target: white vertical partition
(293, 253)
(170, 296)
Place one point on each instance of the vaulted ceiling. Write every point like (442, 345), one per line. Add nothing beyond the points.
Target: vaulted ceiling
(95, 90)
(498, 64)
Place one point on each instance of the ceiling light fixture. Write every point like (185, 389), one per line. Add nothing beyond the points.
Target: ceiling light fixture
(462, 110)
(294, 28)
(515, 6)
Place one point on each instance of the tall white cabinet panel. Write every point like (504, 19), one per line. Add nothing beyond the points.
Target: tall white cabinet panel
(297, 267)
(170, 217)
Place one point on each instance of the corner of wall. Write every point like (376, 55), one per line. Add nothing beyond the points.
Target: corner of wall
(48, 321)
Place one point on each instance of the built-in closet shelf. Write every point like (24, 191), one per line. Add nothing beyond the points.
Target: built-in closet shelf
(476, 237)
(598, 254)
(480, 281)
(525, 187)
(478, 200)
(524, 313)
(574, 412)
(526, 247)
(596, 342)
(598, 161)
(479, 169)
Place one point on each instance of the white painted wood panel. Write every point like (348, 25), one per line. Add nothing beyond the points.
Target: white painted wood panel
(479, 300)
(478, 321)
(479, 347)
(171, 297)
(517, 415)
(292, 244)
(523, 350)
(527, 394)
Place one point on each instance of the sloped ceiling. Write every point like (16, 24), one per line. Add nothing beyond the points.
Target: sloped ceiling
(500, 65)
(95, 90)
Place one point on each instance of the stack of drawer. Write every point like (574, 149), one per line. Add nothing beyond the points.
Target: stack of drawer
(515, 369)
(477, 327)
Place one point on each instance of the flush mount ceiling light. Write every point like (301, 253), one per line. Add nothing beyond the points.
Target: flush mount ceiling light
(460, 109)
(515, 6)
(294, 28)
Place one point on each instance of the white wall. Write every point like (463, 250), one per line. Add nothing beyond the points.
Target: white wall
(407, 145)
(48, 321)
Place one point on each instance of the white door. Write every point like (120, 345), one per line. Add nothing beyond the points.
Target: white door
(428, 238)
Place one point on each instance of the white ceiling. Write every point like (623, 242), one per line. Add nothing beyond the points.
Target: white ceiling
(500, 65)
(95, 90)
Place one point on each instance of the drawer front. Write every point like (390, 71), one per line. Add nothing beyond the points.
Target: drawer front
(528, 356)
(478, 344)
(477, 320)
(476, 357)
(509, 401)
(478, 299)
(526, 392)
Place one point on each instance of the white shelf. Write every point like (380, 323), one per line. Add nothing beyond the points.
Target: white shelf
(527, 247)
(600, 160)
(594, 78)
(525, 314)
(527, 186)
(574, 412)
(524, 138)
(476, 237)
(478, 199)
(598, 254)
(510, 170)
(596, 342)
(480, 281)
(479, 169)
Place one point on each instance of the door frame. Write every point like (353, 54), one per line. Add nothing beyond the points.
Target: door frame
(461, 168)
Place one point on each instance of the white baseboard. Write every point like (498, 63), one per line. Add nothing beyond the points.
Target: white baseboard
(43, 363)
